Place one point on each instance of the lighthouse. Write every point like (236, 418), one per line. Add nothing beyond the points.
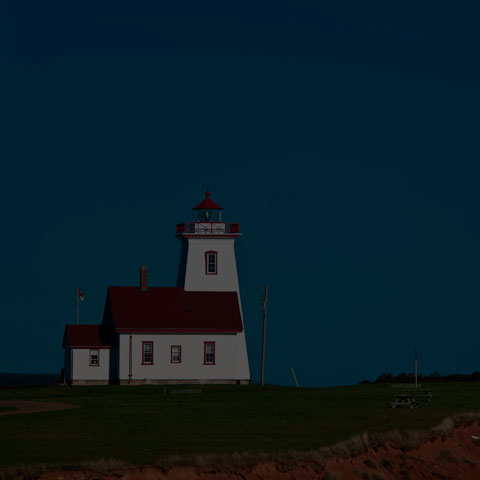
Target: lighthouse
(192, 333)
(208, 262)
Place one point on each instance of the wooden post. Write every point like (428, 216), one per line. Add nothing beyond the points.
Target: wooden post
(295, 378)
(264, 307)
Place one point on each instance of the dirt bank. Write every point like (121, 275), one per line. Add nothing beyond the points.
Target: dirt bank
(455, 457)
(447, 452)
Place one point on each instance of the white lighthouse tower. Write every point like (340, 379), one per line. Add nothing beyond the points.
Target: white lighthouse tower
(207, 261)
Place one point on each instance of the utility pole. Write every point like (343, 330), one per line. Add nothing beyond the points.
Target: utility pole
(264, 308)
(416, 368)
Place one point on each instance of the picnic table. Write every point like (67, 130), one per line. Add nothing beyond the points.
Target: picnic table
(412, 398)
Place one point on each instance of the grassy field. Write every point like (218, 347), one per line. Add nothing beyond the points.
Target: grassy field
(140, 424)
(6, 409)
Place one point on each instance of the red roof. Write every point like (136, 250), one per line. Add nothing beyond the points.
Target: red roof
(207, 204)
(172, 309)
(88, 336)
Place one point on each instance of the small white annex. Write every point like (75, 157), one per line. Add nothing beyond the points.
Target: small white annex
(190, 333)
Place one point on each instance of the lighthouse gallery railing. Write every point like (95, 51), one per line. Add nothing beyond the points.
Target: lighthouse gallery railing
(208, 228)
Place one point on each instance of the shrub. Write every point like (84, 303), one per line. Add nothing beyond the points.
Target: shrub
(370, 462)
(447, 456)
(470, 462)
(386, 464)
(331, 475)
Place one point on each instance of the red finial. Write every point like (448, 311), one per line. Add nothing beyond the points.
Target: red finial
(207, 203)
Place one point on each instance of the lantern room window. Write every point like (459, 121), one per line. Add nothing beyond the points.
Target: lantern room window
(207, 215)
(211, 262)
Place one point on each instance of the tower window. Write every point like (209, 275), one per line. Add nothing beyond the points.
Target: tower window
(94, 358)
(147, 353)
(211, 263)
(209, 353)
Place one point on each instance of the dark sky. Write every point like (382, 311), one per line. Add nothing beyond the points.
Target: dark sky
(345, 140)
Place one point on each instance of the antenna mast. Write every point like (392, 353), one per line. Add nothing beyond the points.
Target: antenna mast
(264, 308)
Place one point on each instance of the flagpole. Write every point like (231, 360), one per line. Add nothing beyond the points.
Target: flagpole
(78, 305)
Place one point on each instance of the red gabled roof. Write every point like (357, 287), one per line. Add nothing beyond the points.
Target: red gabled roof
(172, 309)
(207, 204)
(88, 336)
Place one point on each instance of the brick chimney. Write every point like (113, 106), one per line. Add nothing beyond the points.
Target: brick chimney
(143, 278)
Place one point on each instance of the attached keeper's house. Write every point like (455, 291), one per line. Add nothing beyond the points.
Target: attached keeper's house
(191, 333)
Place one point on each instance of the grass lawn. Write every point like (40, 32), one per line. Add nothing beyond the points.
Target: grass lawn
(6, 409)
(139, 424)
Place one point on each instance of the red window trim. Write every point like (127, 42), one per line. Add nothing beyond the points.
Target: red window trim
(205, 353)
(171, 353)
(210, 252)
(143, 354)
(90, 357)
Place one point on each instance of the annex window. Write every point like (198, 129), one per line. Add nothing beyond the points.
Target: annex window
(209, 353)
(175, 354)
(94, 358)
(147, 353)
(211, 263)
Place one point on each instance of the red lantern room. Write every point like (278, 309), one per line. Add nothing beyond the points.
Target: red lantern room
(207, 210)
(207, 220)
